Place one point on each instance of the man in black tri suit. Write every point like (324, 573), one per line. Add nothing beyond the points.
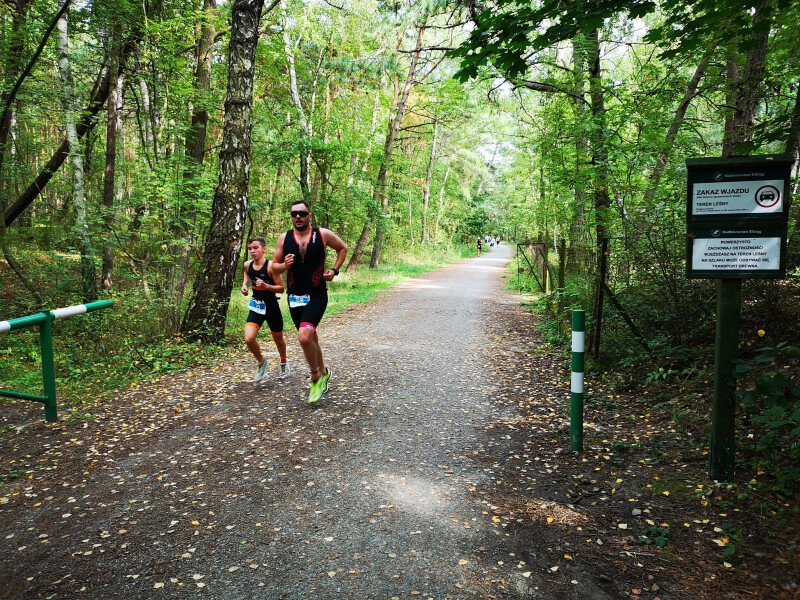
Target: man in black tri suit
(300, 253)
(263, 306)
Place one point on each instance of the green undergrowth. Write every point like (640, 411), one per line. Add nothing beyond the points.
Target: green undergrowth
(100, 352)
(674, 385)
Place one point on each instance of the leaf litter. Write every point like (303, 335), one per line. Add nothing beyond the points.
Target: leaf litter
(543, 503)
(607, 508)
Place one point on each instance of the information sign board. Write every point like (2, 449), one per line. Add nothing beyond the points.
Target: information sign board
(731, 188)
(737, 212)
(736, 215)
(737, 253)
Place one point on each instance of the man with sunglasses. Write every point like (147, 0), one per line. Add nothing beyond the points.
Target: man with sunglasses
(300, 253)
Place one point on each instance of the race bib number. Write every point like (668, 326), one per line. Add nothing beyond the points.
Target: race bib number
(298, 301)
(257, 306)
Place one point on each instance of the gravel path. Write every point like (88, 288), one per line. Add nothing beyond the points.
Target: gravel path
(394, 499)
(205, 484)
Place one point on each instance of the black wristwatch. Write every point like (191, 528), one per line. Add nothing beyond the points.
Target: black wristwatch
(335, 271)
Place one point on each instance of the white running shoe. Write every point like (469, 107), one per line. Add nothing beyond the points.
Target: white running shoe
(261, 372)
(286, 370)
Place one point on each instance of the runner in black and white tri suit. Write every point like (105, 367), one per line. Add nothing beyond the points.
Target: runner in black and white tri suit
(263, 306)
(301, 254)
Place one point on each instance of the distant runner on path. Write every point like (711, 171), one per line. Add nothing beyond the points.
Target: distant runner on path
(301, 253)
(263, 306)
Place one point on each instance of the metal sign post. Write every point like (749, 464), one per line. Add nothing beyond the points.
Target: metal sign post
(736, 221)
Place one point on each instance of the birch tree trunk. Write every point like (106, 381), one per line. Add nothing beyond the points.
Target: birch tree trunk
(367, 153)
(362, 240)
(147, 122)
(205, 318)
(410, 219)
(106, 280)
(441, 197)
(195, 156)
(294, 90)
(379, 196)
(372, 212)
(426, 192)
(88, 274)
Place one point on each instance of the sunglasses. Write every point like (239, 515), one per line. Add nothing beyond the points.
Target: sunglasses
(299, 213)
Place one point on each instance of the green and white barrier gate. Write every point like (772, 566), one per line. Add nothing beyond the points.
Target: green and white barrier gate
(45, 322)
(576, 386)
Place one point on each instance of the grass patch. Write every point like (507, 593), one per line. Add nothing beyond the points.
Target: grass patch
(103, 351)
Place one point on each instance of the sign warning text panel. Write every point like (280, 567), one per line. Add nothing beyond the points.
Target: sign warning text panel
(739, 198)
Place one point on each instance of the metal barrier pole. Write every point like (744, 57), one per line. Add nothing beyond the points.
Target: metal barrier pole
(45, 322)
(576, 387)
(48, 367)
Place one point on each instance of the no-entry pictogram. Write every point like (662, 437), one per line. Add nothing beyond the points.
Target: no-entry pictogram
(768, 196)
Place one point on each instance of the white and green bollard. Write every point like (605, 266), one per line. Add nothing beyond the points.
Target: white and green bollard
(576, 387)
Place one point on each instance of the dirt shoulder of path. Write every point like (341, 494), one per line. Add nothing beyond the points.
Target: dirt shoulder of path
(636, 507)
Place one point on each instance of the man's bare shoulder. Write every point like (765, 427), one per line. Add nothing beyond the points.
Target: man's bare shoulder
(331, 239)
(327, 234)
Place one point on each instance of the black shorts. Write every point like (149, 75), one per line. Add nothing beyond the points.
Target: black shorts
(311, 312)
(273, 316)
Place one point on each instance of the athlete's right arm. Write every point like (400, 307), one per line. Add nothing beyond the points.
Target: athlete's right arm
(246, 278)
(281, 263)
(278, 287)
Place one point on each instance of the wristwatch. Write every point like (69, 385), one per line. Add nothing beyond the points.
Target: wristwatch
(335, 271)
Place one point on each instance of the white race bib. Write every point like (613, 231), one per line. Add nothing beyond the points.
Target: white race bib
(257, 306)
(298, 301)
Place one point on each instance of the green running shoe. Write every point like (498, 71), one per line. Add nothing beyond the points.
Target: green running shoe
(323, 381)
(315, 391)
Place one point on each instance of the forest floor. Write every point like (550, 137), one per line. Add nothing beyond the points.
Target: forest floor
(437, 466)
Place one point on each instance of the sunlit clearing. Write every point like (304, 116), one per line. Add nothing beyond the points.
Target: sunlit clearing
(415, 495)
(420, 285)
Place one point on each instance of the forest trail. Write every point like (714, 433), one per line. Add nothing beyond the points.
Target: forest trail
(207, 481)
(417, 476)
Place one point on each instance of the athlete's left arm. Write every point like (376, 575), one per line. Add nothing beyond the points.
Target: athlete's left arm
(335, 242)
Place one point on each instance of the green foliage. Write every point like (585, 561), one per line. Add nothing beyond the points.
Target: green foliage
(770, 399)
(99, 352)
(663, 375)
(658, 375)
(654, 535)
(734, 542)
